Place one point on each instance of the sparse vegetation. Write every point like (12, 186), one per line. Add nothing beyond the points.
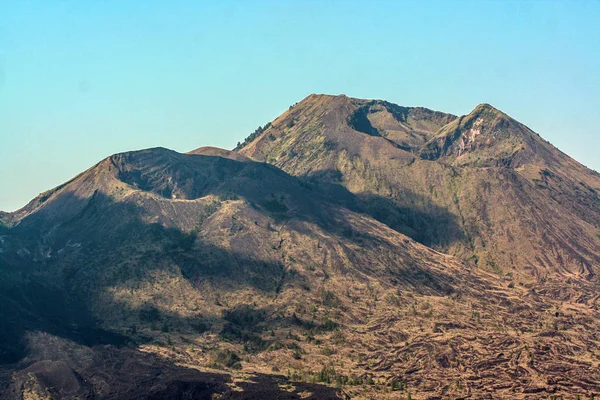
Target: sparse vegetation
(253, 136)
(209, 209)
(224, 359)
(329, 299)
(150, 313)
(275, 205)
(219, 261)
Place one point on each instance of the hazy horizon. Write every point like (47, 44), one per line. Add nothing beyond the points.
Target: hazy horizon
(82, 81)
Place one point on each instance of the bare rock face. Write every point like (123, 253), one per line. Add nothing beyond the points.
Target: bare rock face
(487, 138)
(350, 248)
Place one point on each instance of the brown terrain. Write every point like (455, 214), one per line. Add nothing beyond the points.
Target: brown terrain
(349, 249)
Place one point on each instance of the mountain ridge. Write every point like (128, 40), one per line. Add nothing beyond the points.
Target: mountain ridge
(325, 258)
(504, 149)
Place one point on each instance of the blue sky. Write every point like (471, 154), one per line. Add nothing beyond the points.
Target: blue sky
(80, 81)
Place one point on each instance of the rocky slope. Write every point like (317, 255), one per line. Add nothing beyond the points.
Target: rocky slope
(483, 186)
(318, 274)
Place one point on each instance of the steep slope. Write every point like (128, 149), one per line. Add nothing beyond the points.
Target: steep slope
(153, 244)
(487, 138)
(484, 187)
(156, 274)
(407, 127)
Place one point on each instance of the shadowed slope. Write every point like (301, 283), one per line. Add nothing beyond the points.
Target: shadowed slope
(207, 261)
(152, 242)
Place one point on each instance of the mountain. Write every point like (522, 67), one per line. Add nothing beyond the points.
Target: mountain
(349, 249)
(482, 187)
(486, 138)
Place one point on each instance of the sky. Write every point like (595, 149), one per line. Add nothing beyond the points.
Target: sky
(80, 81)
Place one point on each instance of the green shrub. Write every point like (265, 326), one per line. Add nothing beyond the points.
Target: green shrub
(244, 316)
(224, 359)
(227, 196)
(329, 299)
(200, 326)
(150, 313)
(275, 205)
(327, 351)
(253, 136)
(208, 210)
(329, 325)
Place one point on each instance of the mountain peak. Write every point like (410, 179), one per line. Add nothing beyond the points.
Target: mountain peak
(485, 137)
(485, 107)
(488, 111)
(345, 123)
(321, 97)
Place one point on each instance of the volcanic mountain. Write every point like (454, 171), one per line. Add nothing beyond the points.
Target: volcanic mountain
(482, 186)
(350, 248)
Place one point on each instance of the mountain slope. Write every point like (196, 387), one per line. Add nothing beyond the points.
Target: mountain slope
(194, 255)
(487, 138)
(484, 187)
(210, 274)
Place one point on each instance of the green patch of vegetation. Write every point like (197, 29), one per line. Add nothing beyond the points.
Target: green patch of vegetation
(244, 316)
(149, 313)
(227, 196)
(329, 299)
(494, 267)
(275, 345)
(200, 326)
(208, 210)
(393, 300)
(243, 323)
(174, 240)
(253, 136)
(397, 385)
(223, 359)
(252, 342)
(329, 325)
(338, 337)
(275, 205)
(330, 376)
(301, 322)
(327, 351)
